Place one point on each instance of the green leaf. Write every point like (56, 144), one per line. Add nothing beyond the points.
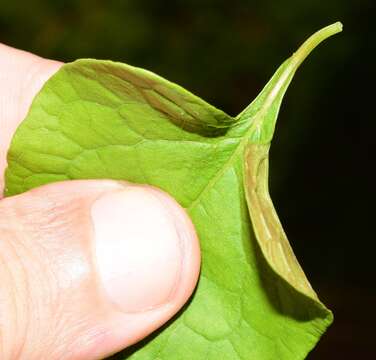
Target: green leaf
(100, 119)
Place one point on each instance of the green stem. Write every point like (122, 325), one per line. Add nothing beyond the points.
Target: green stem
(315, 40)
(276, 87)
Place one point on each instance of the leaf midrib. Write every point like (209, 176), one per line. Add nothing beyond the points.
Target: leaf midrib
(253, 123)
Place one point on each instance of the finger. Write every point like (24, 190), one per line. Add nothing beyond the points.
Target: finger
(91, 267)
(22, 75)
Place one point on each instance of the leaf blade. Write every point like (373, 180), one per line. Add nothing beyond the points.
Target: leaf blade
(106, 126)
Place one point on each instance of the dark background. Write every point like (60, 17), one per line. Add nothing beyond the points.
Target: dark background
(225, 51)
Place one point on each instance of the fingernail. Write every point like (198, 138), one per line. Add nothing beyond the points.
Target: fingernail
(138, 251)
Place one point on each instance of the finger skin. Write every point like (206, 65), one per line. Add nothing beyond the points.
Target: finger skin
(51, 292)
(52, 301)
(22, 75)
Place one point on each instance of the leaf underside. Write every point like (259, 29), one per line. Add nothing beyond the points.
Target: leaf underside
(100, 119)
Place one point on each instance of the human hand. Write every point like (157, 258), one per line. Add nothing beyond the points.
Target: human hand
(87, 267)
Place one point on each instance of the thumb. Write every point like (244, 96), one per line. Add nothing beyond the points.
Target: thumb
(91, 267)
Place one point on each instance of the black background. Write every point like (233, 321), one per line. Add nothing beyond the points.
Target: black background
(322, 163)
